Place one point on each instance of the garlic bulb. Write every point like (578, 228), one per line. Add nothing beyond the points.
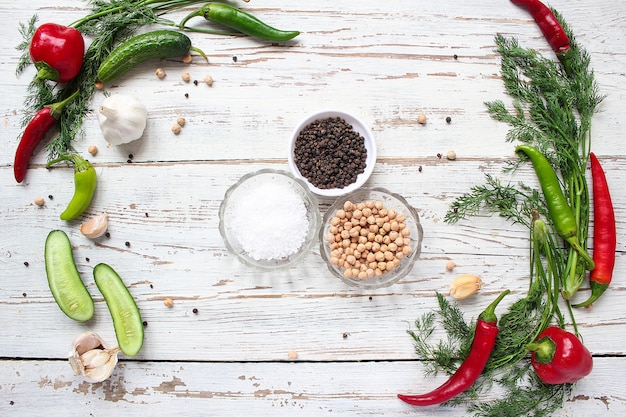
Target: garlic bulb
(122, 118)
(95, 226)
(92, 358)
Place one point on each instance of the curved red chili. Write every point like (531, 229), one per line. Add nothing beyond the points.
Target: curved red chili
(57, 52)
(559, 357)
(604, 234)
(34, 133)
(471, 368)
(550, 27)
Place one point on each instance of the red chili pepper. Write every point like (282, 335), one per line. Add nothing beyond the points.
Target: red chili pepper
(57, 52)
(34, 133)
(469, 371)
(551, 29)
(604, 234)
(559, 357)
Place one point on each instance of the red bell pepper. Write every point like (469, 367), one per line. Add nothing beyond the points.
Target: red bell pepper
(57, 52)
(559, 357)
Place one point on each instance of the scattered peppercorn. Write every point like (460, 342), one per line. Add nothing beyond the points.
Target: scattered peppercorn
(345, 335)
(234, 59)
(127, 244)
(419, 168)
(448, 119)
(26, 263)
(130, 161)
(195, 82)
(87, 259)
(23, 294)
(330, 153)
(371, 298)
(107, 234)
(51, 197)
(195, 311)
(11, 402)
(438, 155)
(130, 156)
(456, 56)
(151, 286)
(147, 215)
(186, 95)
(145, 324)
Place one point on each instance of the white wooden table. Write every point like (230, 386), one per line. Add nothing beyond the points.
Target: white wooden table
(384, 61)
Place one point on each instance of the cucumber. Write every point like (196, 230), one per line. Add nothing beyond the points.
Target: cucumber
(124, 312)
(64, 281)
(138, 49)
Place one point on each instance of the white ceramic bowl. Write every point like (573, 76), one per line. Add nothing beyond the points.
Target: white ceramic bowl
(230, 218)
(358, 126)
(390, 201)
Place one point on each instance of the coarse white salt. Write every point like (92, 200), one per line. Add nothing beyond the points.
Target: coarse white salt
(270, 221)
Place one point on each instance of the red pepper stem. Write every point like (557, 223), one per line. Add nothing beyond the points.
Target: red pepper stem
(544, 349)
(489, 314)
(57, 108)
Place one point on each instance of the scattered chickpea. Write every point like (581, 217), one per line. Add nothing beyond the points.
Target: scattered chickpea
(99, 85)
(168, 302)
(450, 266)
(160, 73)
(39, 201)
(451, 155)
(208, 80)
(421, 119)
(181, 121)
(187, 58)
(186, 77)
(292, 354)
(176, 129)
(92, 149)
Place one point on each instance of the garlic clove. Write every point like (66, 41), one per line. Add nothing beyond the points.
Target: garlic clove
(92, 358)
(465, 286)
(95, 226)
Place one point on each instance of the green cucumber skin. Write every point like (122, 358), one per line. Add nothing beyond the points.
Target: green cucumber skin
(151, 45)
(64, 281)
(124, 312)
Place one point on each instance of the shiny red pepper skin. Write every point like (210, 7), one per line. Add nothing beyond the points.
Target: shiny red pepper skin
(551, 29)
(559, 357)
(604, 234)
(471, 368)
(57, 52)
(35, 131)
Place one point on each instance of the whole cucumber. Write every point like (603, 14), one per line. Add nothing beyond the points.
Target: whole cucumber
(140, 48)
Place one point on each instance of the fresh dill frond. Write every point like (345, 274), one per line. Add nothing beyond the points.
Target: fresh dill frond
(493, 197)
(26, 30)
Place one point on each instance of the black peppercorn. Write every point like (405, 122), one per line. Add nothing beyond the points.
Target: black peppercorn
(329, 153)
(448, 119)
(195, 311)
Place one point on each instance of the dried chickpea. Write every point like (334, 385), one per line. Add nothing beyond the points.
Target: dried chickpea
(160, 73)
(92, 149)
(39, 201)
(168, 302)
(176, 129)
(421, 119)
(186, 77)
(208, 80)
(181, 121)
(187, 58)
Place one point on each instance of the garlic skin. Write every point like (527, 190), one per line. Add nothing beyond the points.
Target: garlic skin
(122, 118)
(465, 286)
(92, 358)
(95, 226)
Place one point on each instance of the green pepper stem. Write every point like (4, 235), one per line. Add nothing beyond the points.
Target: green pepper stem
(80, 164)
(489, 314)
(200, 12)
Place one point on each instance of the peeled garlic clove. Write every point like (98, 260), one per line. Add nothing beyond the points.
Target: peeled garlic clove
(95, 226)
(92, 358)
(464, 286)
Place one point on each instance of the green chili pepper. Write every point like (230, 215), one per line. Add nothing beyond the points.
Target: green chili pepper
(241, 21)
(85, 179)
(560, 212)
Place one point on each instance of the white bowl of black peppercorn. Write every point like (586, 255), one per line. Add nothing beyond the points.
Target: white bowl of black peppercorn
(333, 152)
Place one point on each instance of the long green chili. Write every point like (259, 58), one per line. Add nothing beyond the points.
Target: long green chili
(85, 180)
(240, 21)
(560, 211)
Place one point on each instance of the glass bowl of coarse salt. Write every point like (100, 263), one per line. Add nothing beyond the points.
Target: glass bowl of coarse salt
(370, 238)
(269, 219)
(333, 151)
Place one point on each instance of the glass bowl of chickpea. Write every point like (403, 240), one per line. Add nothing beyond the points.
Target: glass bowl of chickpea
(370, 238)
